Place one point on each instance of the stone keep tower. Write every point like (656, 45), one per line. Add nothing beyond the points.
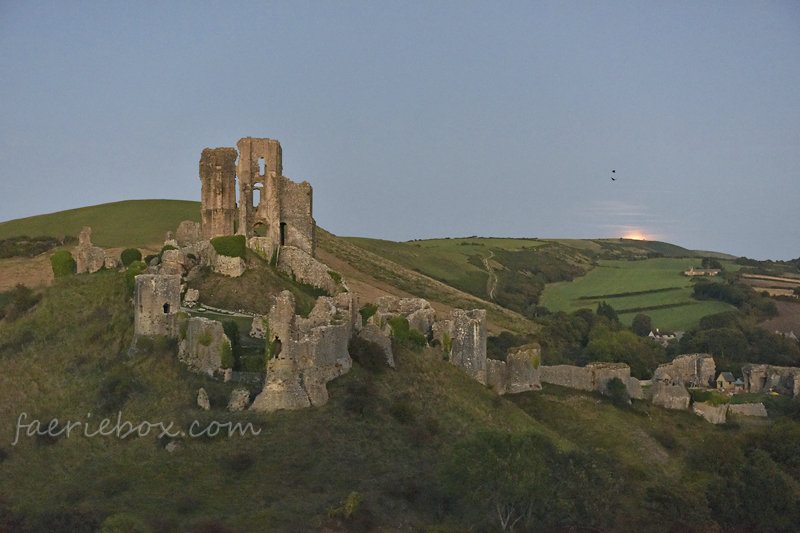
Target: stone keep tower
(271, 201)
(218, 196)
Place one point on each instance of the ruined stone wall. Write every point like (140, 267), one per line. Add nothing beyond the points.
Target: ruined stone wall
(715, 414)
(669, 396)
(157, 300)
(691, 370)
(312, 352)
(306, 269)
(271, 201)
(296, 213)
(469, 342)
(255, 154)
(592, 377)
(88, 258)
(218, 193)
(748, 409)
(203, 346)
(574, 377)
(762, 378)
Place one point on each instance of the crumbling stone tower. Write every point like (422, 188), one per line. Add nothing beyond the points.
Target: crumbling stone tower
(157, 301)
(218, 196)
(271, 201)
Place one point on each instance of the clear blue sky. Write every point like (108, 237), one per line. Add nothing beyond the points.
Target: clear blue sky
(422, 119)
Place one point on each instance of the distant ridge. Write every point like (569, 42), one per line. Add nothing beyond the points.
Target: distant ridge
(126, 223)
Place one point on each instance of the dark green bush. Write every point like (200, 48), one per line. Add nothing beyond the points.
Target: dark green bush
(367, 311)
(130, 255)
(230, 245)
(149, 258)
(63, 264)
(404, 335)
(337, 278)
(134, 269)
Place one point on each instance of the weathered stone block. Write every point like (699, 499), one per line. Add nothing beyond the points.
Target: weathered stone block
(306, 269)
(202, 400)
(748, 409)
(203, 346)
(373, 333)
(691, 370)
(635, 389)
(669, 396)
(88, 258)
(714, 414)
(522, 369)
(239, 400)
(191, 297)
(229, 266)
(188, 233)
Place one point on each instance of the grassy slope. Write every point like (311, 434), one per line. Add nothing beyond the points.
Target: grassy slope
(418, 284)
(128, 223)
(613, 280)
(303, 462)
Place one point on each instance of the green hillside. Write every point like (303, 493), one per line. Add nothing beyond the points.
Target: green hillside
(633, 276)
(395, 450)
(656, 287)
(128, 223)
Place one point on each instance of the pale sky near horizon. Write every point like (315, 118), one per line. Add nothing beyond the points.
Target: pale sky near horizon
(422, 119)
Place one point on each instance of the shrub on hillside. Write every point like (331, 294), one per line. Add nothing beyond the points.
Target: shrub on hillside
(130, 255)
(20, 299)
(63, 264)
(404, 335)
(367, 311)
(134, 269)
(230, 245)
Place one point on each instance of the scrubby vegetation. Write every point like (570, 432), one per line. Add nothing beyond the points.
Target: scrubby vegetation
(24, 246)
(421, 445)
(63, 264)
(230, 245)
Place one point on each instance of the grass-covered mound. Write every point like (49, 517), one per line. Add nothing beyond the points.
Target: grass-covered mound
(255, 290)
(128, 223)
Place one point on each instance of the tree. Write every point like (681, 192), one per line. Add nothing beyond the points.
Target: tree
(502, 474)
(642, 325)
(605, 309)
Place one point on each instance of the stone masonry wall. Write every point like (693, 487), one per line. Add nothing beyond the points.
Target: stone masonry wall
(691, 370)
(157, 300)
(218, 193)
(202, 348)
(762, 378)
(306, 269)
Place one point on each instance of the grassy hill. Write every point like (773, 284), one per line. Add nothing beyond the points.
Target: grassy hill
(385, 454)
(118, 224)
(656, 287)
(418, 448)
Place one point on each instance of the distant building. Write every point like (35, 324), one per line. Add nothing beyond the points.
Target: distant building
(726, 381)
(701, 272)
(663, 337)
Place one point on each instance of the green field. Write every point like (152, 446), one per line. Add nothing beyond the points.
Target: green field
(128, 223)
(656, 287)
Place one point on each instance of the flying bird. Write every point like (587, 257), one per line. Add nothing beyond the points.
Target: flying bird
(612, 177)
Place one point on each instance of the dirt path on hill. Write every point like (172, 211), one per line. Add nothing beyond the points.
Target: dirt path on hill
(491, 284)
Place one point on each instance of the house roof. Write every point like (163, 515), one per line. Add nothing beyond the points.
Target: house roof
(727, 376)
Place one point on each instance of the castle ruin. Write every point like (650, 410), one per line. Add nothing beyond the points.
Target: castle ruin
(273, 210)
